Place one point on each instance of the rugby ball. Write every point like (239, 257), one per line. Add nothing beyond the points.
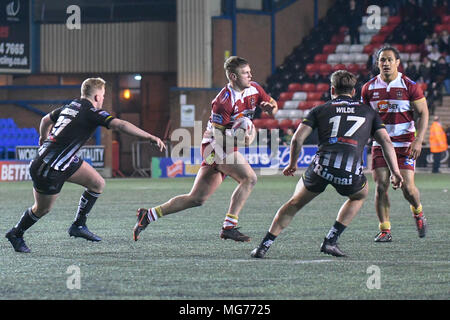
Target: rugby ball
(244, 127)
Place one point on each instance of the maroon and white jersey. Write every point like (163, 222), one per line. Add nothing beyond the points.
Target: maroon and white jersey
(230, 105)
(393, 102)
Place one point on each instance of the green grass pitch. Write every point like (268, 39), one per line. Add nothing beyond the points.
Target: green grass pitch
(182, 257)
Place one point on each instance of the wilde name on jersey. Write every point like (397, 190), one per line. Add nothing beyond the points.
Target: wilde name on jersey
(323, 172)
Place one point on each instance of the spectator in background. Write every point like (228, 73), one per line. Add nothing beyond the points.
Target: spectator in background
(433, 96)
(443, 43)
(287, 137)
(425, 70)
(440, 72)
(434, 55)
(425, 47)
(438, 143)
(411, 71)
(354, 20)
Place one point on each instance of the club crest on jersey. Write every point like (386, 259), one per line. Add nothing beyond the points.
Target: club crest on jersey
(399, 94)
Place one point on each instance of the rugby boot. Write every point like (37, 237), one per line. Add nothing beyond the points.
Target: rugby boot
(421, 224)
(141, 224)
(17, 242)
(234, 234)
(83, 232)
(259, 252)
(331, 248)
(383, 236)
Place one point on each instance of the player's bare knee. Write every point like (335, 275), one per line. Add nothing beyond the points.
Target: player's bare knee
(382, 188)
(98, 185)
(251, 180)
(197, 202)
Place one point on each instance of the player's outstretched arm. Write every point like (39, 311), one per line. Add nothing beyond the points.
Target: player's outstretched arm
(302, 132)
(382, 137)
(131, 129)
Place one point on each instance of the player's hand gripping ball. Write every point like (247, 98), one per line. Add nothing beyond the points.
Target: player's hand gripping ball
(243, 128)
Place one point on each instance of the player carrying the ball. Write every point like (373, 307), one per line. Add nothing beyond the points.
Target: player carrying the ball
(239, 98)
(345, 126)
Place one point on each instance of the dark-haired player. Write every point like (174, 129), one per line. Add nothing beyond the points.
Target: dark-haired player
(397, 99)
(344, 126)
(62, 133)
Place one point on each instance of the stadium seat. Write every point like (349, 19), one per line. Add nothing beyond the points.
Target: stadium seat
(404, 56)
(445, 19)
(285, 96)
(325, 69)
(378, 39)
(293, 87)
(329, 48)
(312, 68)
(271, 123)
(347, 58)
(400, 47)
(339, 66)
(369, 48)
(410, 48)
(285, 124)
(290, 104)
(439, 28)
(334, 58)
(309, 87)
(282, 114)
(353, 68)
(304, 105)
(320, 58)
(280, 105)
(356, 48)
(295, 114)
(259, 123)
(314, 96)
(414, 57)
(342, 48)
(299, 95)
(360, 57)
(322, 87)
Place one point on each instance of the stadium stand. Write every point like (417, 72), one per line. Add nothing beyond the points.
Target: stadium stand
(12, 136)
(301, 82)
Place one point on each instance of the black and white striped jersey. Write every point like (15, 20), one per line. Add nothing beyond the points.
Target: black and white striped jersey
(344, 127)
(74, 125)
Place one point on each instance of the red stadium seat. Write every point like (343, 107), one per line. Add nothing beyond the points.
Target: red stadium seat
(325, 69)
(285, 96)
(270, 123)
(259, 123)
(400, 47)
(280, 104)
(308, 87)
(339, 66)
(315, 103)
(386, 29)
(304, 105)
(293, 87)
(314, 96)
(445, 19)
(338, 38)
(378, 39)
(410, 48)
(353, 68)
(285, 124)
(320, 58)
(322, 87)
(369, 49)
(312, 68)
(329, 48)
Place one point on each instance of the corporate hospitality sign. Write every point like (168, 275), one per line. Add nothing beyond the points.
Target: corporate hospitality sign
(15, 36)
